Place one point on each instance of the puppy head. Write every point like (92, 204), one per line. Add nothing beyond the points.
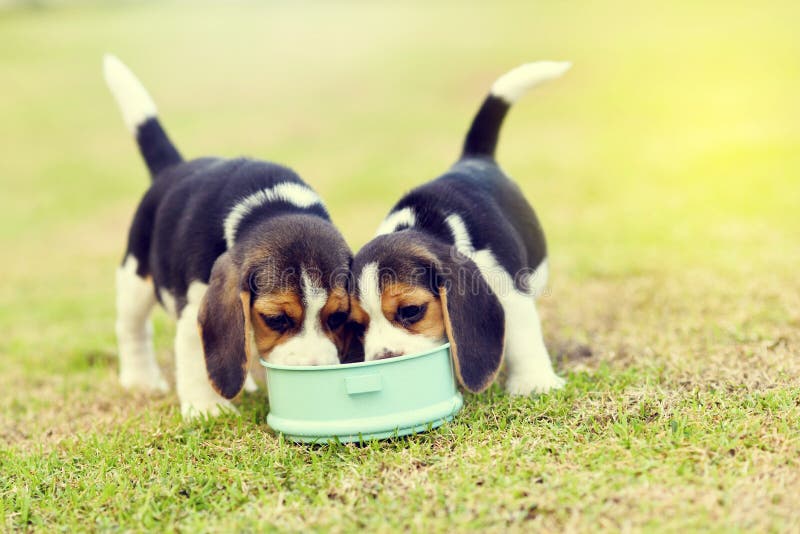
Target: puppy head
(414, 293)
(281, 293)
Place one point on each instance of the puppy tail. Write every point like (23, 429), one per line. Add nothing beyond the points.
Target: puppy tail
(482, 137)
(140, 115)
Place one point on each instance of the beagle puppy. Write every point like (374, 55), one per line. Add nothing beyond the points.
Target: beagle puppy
(463, 258)
(242, 252)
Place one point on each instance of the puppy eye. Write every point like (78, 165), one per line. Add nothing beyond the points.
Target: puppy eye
(410, 314)
(336, 319)
(280, 323)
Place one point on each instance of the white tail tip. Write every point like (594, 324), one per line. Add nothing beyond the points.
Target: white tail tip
(516, 82)
(131, 96)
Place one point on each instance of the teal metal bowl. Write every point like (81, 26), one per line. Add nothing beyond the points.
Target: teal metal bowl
(363, 401)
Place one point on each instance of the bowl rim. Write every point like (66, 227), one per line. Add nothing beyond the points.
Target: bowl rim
(385, 361)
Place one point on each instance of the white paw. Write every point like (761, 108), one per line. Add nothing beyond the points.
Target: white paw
(527, 383)
(207, 408)
(250, 385)
(143, 379)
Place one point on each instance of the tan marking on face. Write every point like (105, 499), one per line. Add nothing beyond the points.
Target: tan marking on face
(338, 301)
(269, 305)
(350, 338)
(400, 294)
(357, 313)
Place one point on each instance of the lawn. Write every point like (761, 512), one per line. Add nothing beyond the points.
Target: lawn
(665, 168)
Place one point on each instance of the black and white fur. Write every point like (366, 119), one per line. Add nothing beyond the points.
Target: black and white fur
(205, 222)
(483, 249)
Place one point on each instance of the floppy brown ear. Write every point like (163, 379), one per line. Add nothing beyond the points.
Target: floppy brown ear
(475, 324)
(224, 323)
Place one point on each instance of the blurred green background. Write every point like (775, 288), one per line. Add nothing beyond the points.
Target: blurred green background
(673, 143)
(668, 157)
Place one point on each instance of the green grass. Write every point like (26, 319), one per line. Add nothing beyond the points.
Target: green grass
(665, 168)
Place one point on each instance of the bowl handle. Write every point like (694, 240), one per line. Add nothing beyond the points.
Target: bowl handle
(356, 385)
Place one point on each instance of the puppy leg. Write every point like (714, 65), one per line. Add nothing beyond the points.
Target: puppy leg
(197, 396)
(138, 368)
(250, 384)
(529, 367)
(256, 376)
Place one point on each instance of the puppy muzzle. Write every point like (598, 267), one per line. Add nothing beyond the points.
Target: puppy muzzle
(304, 351)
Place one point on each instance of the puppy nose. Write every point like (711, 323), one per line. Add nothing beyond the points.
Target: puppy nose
(386, 353)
